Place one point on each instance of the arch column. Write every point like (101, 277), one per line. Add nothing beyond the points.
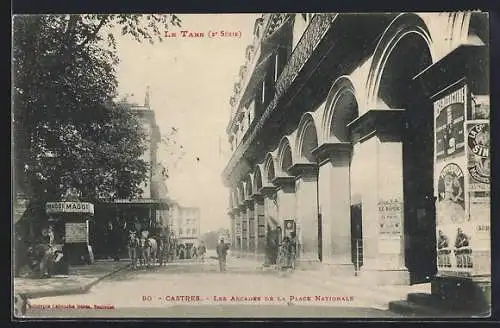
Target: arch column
(285, 196)
(334, 199)
(260, 226)
(237, 229)
(270, 213)
(244, 229)
(378, 133)
(306, 209)
(249, 204)
(232, 220)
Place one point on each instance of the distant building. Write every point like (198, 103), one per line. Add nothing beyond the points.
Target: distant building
(185, 224)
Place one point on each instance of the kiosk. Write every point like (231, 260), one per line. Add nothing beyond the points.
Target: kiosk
(71, 223)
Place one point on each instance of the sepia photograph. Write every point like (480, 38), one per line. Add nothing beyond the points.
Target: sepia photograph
(251, 165)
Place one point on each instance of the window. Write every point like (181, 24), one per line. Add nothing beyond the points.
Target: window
(263, 92)
(276, 67)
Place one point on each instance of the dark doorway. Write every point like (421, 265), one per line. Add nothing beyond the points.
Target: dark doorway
(418, 171)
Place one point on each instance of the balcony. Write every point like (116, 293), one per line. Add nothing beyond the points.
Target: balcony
(332, 45)
(257, 65)
(312, 36)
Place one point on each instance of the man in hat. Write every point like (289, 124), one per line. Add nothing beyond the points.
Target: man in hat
(222, 249)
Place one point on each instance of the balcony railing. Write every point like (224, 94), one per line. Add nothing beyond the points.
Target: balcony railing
(312, 36)
(251, 64)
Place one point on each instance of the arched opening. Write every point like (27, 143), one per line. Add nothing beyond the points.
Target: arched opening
(345, 111)
(309, 142)
(257, 179)
(286, 158)
(231, 200)
(241, 194)
(249, 187)
(269, 168)
(409, 56)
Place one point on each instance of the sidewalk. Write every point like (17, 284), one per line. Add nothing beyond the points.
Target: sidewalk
(80, 280)
(374, 296)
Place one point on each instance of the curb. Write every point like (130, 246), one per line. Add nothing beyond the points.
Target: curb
(75, 290)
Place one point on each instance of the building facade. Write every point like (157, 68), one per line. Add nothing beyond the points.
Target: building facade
(151, 210)
(361, 130)
(185, 222)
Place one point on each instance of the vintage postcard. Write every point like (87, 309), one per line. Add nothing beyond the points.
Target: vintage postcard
(251, 165)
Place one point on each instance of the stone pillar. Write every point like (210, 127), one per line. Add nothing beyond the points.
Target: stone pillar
(237, 220)
(251, 227)
(306, 209)
(285, 197)
(379, 135)
(270, 213)
(232, 224)
(334, 197)
(244, 230)
(260, 226)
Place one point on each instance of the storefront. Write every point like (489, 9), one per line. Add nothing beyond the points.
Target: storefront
(113, 220)
(70, 224)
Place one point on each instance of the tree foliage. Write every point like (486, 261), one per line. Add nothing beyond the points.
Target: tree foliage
(68, 132)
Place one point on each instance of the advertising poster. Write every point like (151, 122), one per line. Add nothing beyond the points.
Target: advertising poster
(76, 232)
(453, 230)
(390, 216)
(449, 114)
(479, 177)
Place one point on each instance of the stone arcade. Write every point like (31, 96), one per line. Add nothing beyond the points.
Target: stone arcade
(336, 124)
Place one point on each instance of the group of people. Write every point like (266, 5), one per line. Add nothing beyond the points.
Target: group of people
(281, 252)
(40, 254)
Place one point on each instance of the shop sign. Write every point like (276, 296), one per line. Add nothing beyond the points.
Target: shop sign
(76, 232)
(69, 207)
(390, 216)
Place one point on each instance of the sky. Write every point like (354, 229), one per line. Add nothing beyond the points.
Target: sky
(191, 81)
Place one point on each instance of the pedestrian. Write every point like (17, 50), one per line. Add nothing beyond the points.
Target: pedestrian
(202, 251)
(222, 249)
(45, 250)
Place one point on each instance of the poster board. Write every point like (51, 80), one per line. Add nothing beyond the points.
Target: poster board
(461, 181)
(77, 232)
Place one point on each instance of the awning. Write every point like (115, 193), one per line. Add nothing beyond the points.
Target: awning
(146, 202)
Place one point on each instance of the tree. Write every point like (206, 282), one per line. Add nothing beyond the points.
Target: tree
(68, 132)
